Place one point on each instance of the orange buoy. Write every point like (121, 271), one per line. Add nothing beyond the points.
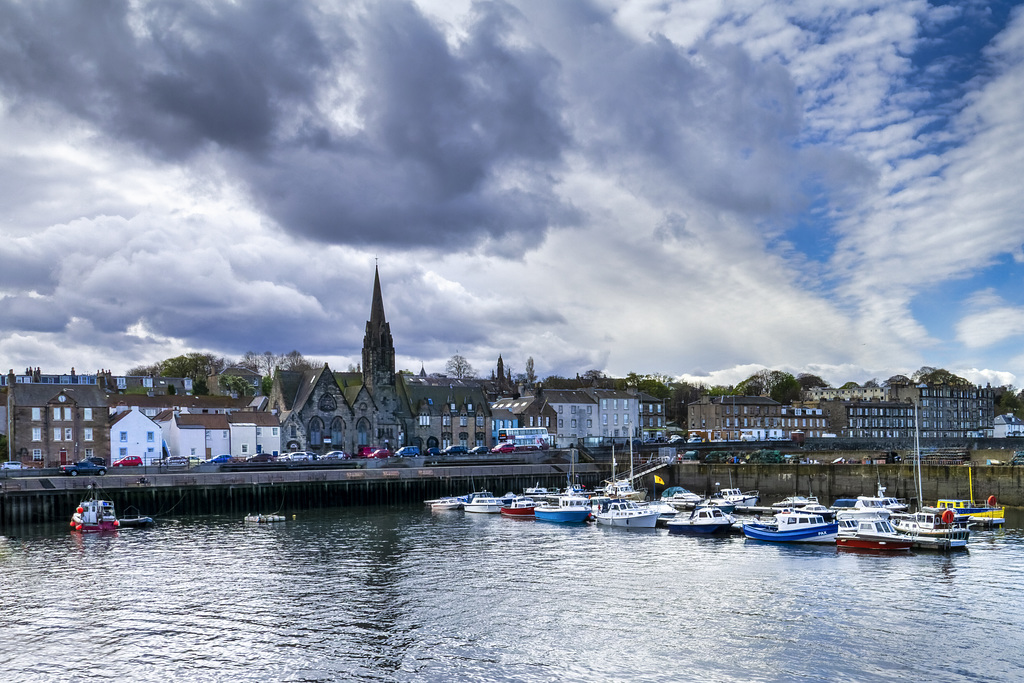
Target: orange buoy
(991, 501)
(948, 516)
(72, 522)
(117, 523)
(78, 528)
(80, 509)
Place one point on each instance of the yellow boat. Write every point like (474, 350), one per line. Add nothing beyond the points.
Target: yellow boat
(988, 512)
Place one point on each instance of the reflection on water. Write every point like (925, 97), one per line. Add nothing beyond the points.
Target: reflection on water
(406, 595)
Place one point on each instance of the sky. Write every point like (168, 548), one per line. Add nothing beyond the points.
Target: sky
(699, 189)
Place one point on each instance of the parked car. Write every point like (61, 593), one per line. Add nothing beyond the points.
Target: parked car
(12, 465)
(408, 452)
(97, 460)
(433, 451)
(128, 461)
(334, 455)
(262, 457)
(83, 467)
(219, 459)
(455, 449)
(504, 448)
(176, 461)
(676, 438)
(380, 453)
(296, 456)
(479, 450)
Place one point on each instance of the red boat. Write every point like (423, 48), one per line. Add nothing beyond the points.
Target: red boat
(519, 507)
(94, 515)
(871, 534)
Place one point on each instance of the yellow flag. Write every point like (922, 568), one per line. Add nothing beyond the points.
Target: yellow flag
(659, 480)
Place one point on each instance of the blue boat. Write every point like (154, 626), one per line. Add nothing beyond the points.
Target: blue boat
(570, 509)
(794, 526)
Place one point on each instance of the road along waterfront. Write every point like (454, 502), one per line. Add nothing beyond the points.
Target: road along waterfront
(397, 593)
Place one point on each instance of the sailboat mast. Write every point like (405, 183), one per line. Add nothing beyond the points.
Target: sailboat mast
(917, 458)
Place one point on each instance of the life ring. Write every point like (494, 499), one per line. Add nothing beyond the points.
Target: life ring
(948, 516)
(991, 501)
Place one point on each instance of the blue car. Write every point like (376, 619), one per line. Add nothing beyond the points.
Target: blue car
(220, 459)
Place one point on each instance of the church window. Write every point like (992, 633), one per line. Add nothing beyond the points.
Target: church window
(328, 404)
(337, 431)
(424, 420)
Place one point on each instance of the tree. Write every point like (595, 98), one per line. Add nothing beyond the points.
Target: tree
(195, 365)
(850, 385)
(1007, 401)
(236, 385)
(780, 386)
(809, 381)
(251, 360)
(897, 381)
(871, 383)
(530, 374)
(656, 385)
(459, 368)
(296, 362)
(930, 375)
(153, 370)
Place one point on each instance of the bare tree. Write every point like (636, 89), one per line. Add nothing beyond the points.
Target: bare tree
(531, 375)
(459, 368)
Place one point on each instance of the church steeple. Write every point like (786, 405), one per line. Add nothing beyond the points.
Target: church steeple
(378, 346)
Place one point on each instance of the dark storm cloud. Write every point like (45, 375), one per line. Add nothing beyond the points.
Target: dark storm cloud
(450, 143)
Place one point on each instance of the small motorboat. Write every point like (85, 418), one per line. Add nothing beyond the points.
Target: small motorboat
(522, 506)
(487, 504)
(724, 506)
(871, 534)
(935, 531)
(794, 502)
(665, 510)
(738, 497)
(677, 496)
(132, 518)
(794, 526)
(567, 510)
(702, 521)
(625, 513)
(446, 504)
(537, 490)
(94, 515)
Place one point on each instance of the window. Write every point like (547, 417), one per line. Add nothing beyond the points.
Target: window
(192, 451)
(86, 413)
(292, 430)
(88, 452)
(547, 421)
(56, 433)
(124, 437)
(561, 423)
(625, 404)
(590, 423)
(462, 420)
(604, 404)
(604, 419)
(122, 452)
(259, 431)
(37, 454)
(424, 420)
(56, 413)
(469, 407)
(67, 434)
(87, 434)
(446, 420)
(36, 414)
(273, 431)
(590, 410)
(245, 448)
(149, 437)
(67, 414)
(573, 409)
(37, 434)
(573, 424)
(479, 420)
(559, 411)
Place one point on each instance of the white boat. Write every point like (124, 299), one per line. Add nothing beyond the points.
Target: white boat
(625, 513)
(867, 533)
(706, 521)
(624, 489)
(537, 490)
(936, 525)
(794, 502)
(677, 496)
(446, 504)
(888, 502)
(264, 519)
(738, 497)
(484, 504)
(849, 508)
(665, 511)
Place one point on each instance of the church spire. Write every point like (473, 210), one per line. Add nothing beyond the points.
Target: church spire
(378, 346)
(377, 307)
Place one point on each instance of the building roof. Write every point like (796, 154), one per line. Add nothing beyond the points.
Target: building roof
(258, 419)
(180, 401)
(88, 395)
(201, 421)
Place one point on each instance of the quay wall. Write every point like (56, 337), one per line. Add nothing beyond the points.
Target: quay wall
(31, 500)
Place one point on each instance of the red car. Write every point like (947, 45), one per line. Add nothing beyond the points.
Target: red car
(504, 448)
(380, 453)
(128, 461)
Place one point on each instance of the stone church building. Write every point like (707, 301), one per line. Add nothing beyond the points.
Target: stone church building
(322, 410)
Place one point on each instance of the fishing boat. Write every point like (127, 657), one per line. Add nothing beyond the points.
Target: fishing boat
(94, 515)
(738, 497)
(625, 513)
(442, 504)
(706, 521)
(989, 513)
(871, 534)
(567, 509)
(794, 526)
(521, 506)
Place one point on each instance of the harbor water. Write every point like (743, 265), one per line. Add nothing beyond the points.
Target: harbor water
(404, 594)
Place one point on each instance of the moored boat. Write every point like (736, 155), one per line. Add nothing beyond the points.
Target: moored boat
(793, 526)
(871, 534)
(737, 497)
(724, 506)
(487, 504)
(794, 502)
(868, 508)
(679, 497)
(442, 504)
(624, 489)
(987, 513)
(522, 506)
(933, 530)
(704, 521)
(264, 519)
(567, 509)
(94, 515)
(665, 511)
(625, 513)
(134, 519)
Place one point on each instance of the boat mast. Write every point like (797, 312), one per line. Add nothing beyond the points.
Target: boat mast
(917, 458)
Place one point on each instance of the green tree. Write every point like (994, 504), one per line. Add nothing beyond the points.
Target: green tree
(809, 381)
(930, 375)
(234, 384)
(780, 386)
(1008, 401)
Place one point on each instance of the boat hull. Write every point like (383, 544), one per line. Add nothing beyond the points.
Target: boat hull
(561, 516)
(645, 521)
(486, 508)
(683, 528)
(517, 512)
(869, 543)
(825, 533)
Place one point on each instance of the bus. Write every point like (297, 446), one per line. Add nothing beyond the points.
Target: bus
(526, 438)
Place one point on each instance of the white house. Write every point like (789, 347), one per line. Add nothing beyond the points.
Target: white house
(132, 433)
(1008, 425)
(202, 436)
(575, 415)
(254, 432)
(618, 412)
